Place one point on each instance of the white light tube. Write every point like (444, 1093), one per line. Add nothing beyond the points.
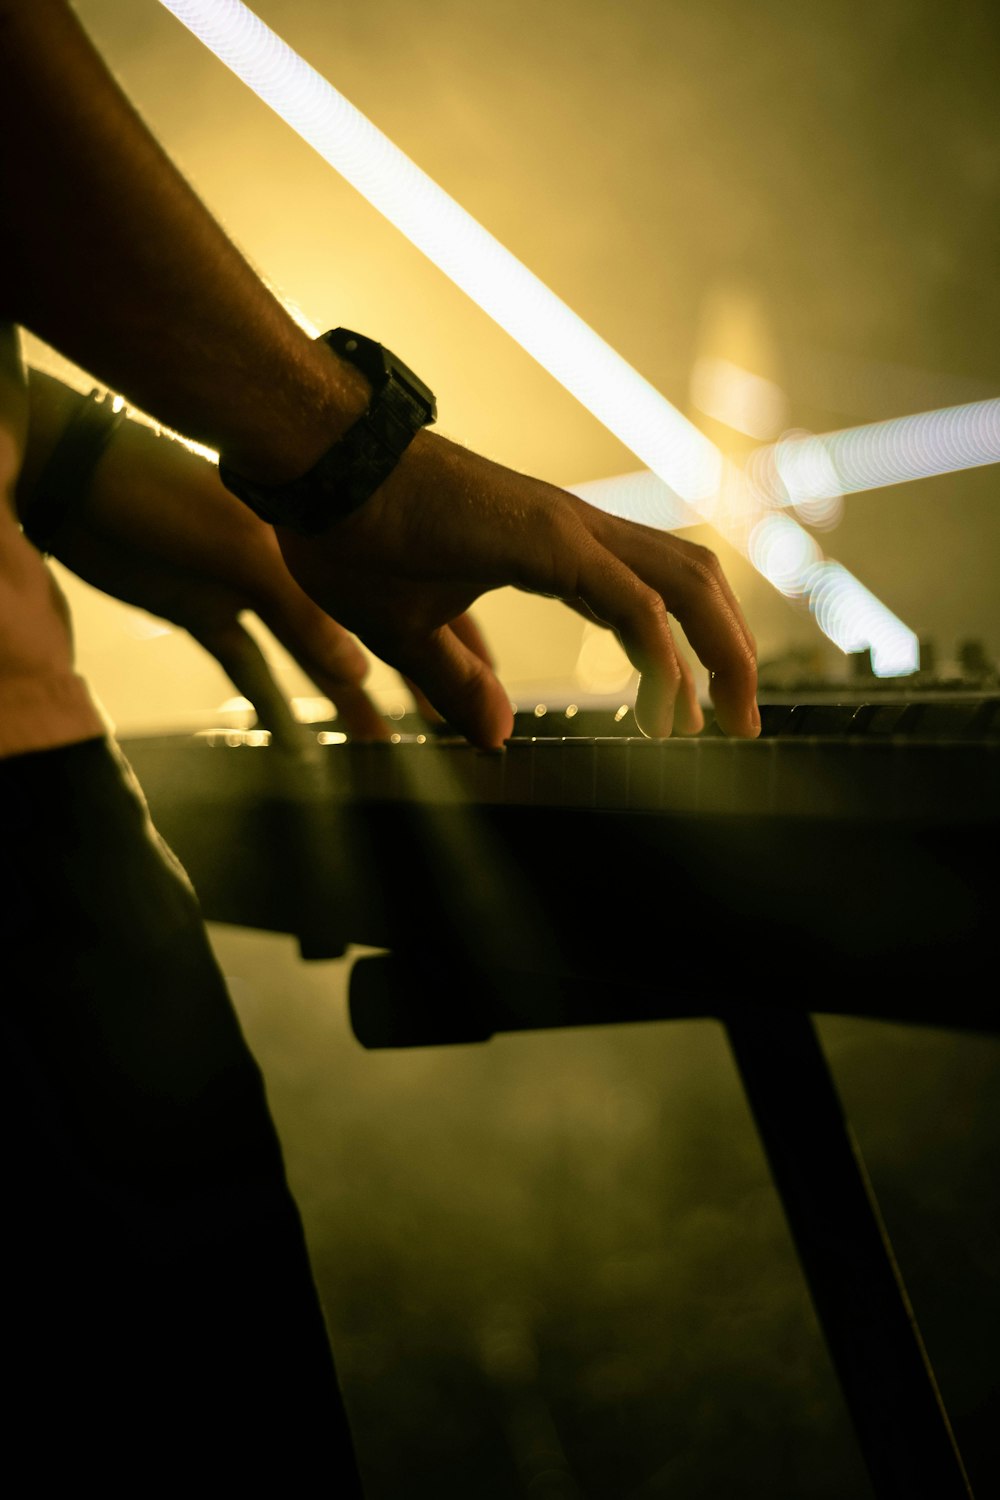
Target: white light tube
(816, 467)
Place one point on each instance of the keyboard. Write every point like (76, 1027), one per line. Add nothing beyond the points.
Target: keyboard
(845, 860)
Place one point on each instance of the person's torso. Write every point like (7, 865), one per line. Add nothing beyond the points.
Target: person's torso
(43, 701)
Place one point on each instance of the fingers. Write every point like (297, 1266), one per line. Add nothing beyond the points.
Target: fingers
(620, 599)
(425, 707)
(398, 584)
(458, 684)
(331, 658)
(240, 657)
(334, 661)
(357, 715)
(468, 632)
(690, 580)
(688, 717)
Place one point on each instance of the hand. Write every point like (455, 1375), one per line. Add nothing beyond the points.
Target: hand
(159, 530)
(449, 525)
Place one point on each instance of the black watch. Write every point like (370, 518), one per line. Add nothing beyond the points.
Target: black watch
(358, 462)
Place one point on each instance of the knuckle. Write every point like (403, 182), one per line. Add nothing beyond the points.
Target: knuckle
(703, 565)
(567, 548)
(652, 606)
(655, 633)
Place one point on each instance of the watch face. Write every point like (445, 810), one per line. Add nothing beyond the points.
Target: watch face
(363, 353)
(379, 366)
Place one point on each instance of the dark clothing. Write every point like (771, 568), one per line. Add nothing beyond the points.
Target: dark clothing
(161, 1320)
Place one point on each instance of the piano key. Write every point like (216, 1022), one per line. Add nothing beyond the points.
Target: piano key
(547, 769)
(518, 764)
(680, 774)
(611, 774)
(644, 787)
(579, 781)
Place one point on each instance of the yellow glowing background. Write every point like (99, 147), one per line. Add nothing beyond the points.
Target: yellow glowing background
(781, 189)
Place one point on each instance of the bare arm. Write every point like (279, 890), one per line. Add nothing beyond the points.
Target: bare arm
(112, 259)
(115, 262)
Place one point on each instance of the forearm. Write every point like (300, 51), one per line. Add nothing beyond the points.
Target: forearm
(146, 490)
(51, 405)
(112, 259)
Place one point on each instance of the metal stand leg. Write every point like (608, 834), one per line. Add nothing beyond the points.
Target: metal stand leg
(863, 1308)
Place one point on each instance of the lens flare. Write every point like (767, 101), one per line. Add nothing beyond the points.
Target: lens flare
(783, 553)
(855, 620)
(737, 397)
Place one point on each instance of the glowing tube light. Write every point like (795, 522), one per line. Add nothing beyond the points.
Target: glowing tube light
(846, 612)
(803, 468)
(631, 408)
(814, 469)
(851, 616)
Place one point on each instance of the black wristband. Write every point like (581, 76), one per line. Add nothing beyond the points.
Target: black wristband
(365, 455)
(66, 476)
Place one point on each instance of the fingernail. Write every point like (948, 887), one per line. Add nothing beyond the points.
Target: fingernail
(755, 718)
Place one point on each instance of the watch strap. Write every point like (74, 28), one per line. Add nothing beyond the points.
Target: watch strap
(362, 459)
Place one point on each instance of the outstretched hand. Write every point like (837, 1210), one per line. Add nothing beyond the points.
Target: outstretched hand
(448, 525)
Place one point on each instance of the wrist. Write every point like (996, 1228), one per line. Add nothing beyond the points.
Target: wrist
(356, 456)
(332, 395)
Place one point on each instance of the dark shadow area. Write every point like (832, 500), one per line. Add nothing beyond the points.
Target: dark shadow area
(556, 1266)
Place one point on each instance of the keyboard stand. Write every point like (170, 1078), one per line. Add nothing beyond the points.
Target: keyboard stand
(861, 1302)
(848, 1262)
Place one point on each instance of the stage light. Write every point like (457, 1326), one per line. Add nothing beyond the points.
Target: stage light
(807, 478)
(818, 466)
(855, 620)
(794, 475)
(811, 472)
(781, 551)
(848, 614)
